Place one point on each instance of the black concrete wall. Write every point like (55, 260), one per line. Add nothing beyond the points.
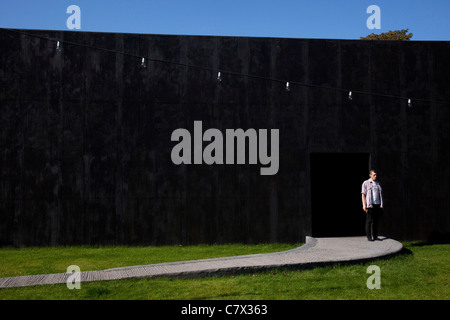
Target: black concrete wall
(85, 138)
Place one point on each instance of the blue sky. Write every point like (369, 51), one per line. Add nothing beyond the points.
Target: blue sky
(331, 19)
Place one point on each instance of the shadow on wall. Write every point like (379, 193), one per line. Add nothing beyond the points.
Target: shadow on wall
(435, 237)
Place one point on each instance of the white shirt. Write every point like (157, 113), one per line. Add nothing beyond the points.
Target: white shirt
(376, 199)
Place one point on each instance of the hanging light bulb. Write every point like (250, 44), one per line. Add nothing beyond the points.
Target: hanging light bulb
(143, 63)
(409, 103)
(219, 77)
(58, 47)
(350, 96)
(288, 86)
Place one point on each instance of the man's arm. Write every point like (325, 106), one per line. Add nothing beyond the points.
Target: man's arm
(363, 197)
(381, 197)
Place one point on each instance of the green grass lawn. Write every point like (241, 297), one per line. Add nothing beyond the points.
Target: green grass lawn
(424, 273)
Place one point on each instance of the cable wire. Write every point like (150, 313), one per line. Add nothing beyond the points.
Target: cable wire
(287, 82)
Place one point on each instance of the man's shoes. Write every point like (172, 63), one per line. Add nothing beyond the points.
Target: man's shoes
(370, 239)
(376, 238)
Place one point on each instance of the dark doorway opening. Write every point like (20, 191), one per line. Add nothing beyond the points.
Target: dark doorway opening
(336, 207)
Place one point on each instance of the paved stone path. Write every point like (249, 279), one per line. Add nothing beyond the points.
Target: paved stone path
(316, 251)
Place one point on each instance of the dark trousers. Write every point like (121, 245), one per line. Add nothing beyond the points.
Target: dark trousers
(372, 217)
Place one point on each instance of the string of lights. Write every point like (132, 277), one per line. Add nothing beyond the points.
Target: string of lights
(288, 84)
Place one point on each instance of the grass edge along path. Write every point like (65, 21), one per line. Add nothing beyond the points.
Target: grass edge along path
(421, 274)
(44, 260)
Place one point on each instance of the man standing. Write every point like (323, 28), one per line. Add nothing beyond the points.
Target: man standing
(372, 200)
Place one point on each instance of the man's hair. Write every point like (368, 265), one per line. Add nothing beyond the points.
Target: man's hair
(372, 171)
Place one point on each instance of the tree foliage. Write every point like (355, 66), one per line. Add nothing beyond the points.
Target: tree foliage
(399, 35)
